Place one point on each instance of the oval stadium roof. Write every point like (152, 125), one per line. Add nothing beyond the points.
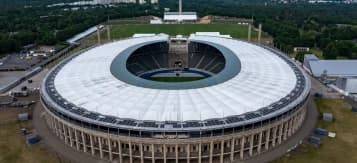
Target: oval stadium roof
(87, 82)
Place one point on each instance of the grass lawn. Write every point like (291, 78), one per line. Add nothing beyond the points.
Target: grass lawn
(341, 149)
(175, 79)
(127, 30)
(13, 148)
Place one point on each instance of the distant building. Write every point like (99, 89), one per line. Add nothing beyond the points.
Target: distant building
(330, 68)
(301, 49)
(180, 17)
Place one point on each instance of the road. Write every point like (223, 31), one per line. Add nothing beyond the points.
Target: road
(55, 144)
(301, 134)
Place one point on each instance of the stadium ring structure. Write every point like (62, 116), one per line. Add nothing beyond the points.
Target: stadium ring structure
(99, 102)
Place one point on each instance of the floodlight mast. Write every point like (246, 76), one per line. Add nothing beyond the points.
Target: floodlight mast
(180, 7)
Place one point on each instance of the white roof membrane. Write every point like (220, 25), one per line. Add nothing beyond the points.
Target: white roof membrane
(87, 82)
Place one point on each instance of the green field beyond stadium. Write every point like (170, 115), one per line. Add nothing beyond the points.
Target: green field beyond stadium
(175, 79)
(127, 30)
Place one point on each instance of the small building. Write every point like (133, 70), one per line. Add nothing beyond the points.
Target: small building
(156, 21)
(301, 49)
(23, 116)
(328, 117)
(348, 84)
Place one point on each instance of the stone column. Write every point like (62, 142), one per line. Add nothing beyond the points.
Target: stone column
(242, 148)
(260, 141)
(77, 139)
(251, 142)
(91, 144)
(110, 149)
(211, 152)
(56, 127)
(70, 136)
(280, 132)
(222, 151)
(141, 154)
(120, 152)
(84, 142)
(267, 139)
(64, 133)
(274, 135)
(153, 153)
(130, 153)
(100, 147)
(199, 153)
(188, 153)
(165, 151)
(232, 150)
(176, 153)
(285, 131)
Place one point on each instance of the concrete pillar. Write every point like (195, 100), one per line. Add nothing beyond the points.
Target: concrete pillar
(251, 143)
(242, 147)
(77, 139)
(188, 152)
(280, 132)
(249, 32)
(120, 152)
(130, 153)
(285, 130)
(176, 153)
(222, 151)
(232, 150)
(260, 33)
(91, 144)
(211, 152)
(84, 143)
(70, 137)
(100, 147)
(165, 151)
(274, 135)
(98, 35)
(294, 124)
(199, 153)
(267, 139)
(153, 153)
(110, 149)
(64, 133)
(141, 154)
(56, 127)
(260, 141)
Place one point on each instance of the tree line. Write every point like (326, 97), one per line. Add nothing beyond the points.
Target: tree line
(330, 27)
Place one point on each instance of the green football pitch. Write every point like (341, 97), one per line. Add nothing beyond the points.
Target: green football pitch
(127, 30)
(175, 79)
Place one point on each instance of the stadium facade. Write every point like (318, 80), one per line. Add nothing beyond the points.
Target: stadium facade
(101, 101)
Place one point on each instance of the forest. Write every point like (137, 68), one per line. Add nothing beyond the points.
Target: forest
(329, 27)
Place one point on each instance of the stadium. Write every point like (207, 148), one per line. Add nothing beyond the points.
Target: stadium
(122, 101)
